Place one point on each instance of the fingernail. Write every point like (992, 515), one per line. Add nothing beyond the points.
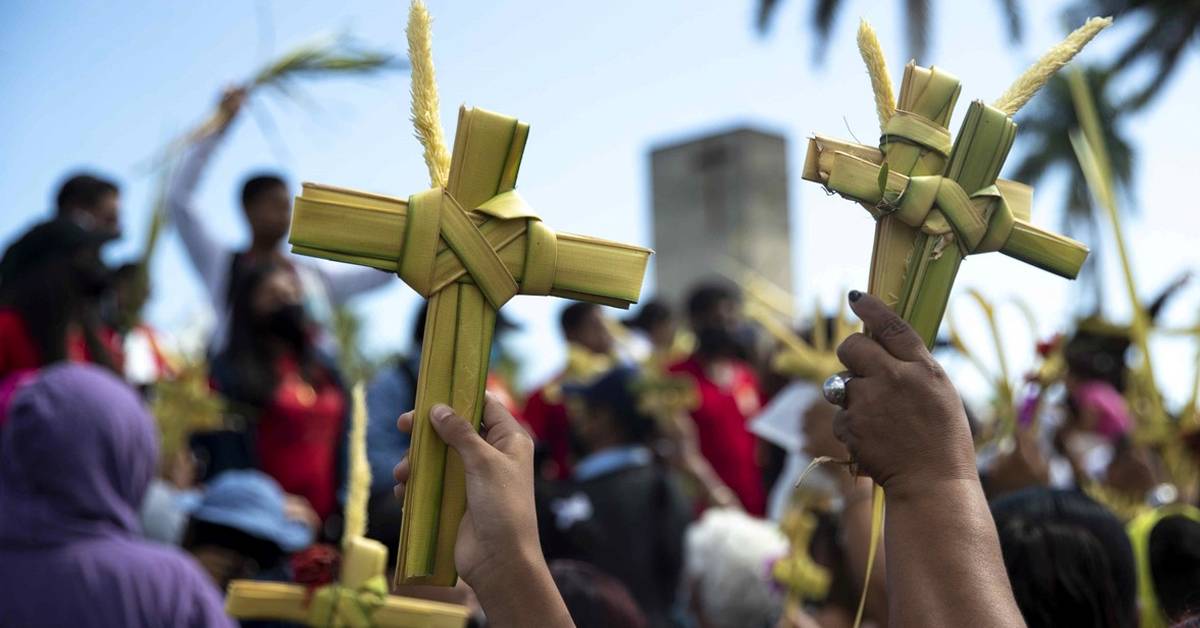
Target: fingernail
(855, 295)
(440, 413)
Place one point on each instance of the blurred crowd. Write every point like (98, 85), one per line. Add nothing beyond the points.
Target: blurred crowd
(671, 473)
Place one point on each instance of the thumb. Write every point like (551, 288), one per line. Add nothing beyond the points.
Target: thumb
(458, 434)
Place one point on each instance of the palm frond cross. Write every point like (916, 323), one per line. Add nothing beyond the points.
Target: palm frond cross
(936, 200)
(468, 244)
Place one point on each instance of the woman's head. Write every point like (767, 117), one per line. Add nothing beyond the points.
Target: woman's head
(267, 320)
(728, 558)
(50, 275)
(77, 453)
(267, 306)
(1068, 559)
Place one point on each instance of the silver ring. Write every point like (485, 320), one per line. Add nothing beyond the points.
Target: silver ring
(834, 388)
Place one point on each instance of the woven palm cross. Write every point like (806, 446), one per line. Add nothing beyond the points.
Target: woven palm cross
(468, 244)
(936, 200)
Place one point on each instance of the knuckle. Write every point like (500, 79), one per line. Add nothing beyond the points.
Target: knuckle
(847, 347)
(893, 327)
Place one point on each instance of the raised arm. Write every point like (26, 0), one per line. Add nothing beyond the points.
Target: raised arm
(209, 256)
(905, 425)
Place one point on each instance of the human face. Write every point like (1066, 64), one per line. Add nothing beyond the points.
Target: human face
(725, 314)
(270, 215)
(280, 288)
(594, 333)
(106, 213)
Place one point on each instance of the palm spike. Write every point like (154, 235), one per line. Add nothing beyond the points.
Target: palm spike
(881, 83)
(1039, 73)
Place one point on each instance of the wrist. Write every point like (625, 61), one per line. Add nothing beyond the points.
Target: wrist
(924, 487)
(505, 569)
(519, 591)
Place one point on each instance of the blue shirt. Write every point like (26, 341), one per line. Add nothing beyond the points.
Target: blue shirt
(391, 393)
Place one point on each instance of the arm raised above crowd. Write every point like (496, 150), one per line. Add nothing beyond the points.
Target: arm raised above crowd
(905, 426)
(209, 256)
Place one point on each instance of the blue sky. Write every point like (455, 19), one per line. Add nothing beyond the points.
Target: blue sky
(102, 85)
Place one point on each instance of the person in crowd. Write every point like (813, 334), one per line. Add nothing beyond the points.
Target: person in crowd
(727, 570)
(1166, 550)
(245, 527)
(656, 327)
(76, 456)
(266, 204)
(728, 389)
(51, 280)
(90, 201)
(497, 552)
(144, 347)
(594, 598)
(621, 510)
(590, 353)
(287, 390)
(1068, 559)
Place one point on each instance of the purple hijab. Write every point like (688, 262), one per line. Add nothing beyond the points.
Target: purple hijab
(76, 456)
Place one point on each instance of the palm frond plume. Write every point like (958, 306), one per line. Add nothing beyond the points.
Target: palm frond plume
(425, 117)
(323, 57)
(1040, 72)
(881, 84)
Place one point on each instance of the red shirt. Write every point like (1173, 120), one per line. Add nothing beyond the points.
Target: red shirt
(721, 421)
(548, 422)
(18, 351)
(298, 434)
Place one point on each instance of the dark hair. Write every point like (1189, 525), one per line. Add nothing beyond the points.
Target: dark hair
(574, 315)
(1175, 565)
(265, 553)
(49, 299)
(258, 184)
(82, 190)
(418, 326)
(594, 598)
(247, 365)
(704, 297)
(618, 392)
(651, 315)
(1069, 560)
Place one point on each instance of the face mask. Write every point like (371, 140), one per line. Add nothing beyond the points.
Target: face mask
(287, 323)
(719, 342)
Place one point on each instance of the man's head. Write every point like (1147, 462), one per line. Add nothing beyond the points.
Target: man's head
(606, 412)
(714, 309)
(90, 201)
(583, 324)
(657, 321)
(268, 206)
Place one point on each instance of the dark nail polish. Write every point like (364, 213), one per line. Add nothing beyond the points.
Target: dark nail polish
(855, 295)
